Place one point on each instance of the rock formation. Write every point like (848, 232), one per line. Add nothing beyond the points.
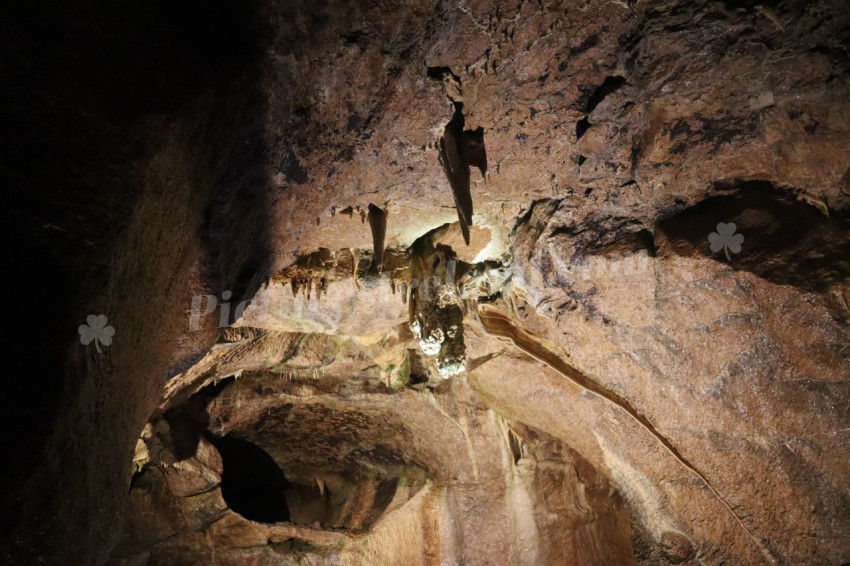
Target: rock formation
(481, 283)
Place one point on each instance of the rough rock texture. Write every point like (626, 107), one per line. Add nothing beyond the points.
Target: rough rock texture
(660, 205)
(120, 126)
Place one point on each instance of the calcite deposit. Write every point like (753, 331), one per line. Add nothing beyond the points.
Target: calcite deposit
(482, 282)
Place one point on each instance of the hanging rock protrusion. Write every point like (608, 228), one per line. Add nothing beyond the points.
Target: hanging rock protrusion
(378, 224)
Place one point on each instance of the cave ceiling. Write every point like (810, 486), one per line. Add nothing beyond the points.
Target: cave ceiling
(427, 283)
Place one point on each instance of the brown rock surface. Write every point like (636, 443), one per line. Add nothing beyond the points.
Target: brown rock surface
(268, 200)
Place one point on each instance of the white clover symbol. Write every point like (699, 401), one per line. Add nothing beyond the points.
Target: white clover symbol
(96, 330)
(726, 239)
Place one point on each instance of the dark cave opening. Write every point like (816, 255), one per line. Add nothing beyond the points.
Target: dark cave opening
(785, 239)
(252, 484)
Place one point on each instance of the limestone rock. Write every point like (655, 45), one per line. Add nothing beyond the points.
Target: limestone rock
(428, 283)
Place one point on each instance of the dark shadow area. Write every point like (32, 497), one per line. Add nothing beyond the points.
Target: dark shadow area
(609, 86)
(785, 241)
(38, 293)
(581, 127)
(476, 151)
(188, 420)
(747, 5)
(252, 484)
(87, 90)
(437, 73)
(384, 494)
(609, 236)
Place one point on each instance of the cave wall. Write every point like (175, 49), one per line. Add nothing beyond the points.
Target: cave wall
(297, 153)
(120, 124)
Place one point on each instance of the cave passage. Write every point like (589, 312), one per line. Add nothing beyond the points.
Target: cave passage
(252, 484)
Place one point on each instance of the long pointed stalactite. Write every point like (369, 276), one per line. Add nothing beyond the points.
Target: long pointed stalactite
(499, 325)
(378, 225)
(453, 158)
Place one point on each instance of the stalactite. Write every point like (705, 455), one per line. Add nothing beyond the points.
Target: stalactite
(378, 224)
(456, 167)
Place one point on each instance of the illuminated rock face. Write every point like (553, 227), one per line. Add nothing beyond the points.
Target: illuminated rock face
(403, 283)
